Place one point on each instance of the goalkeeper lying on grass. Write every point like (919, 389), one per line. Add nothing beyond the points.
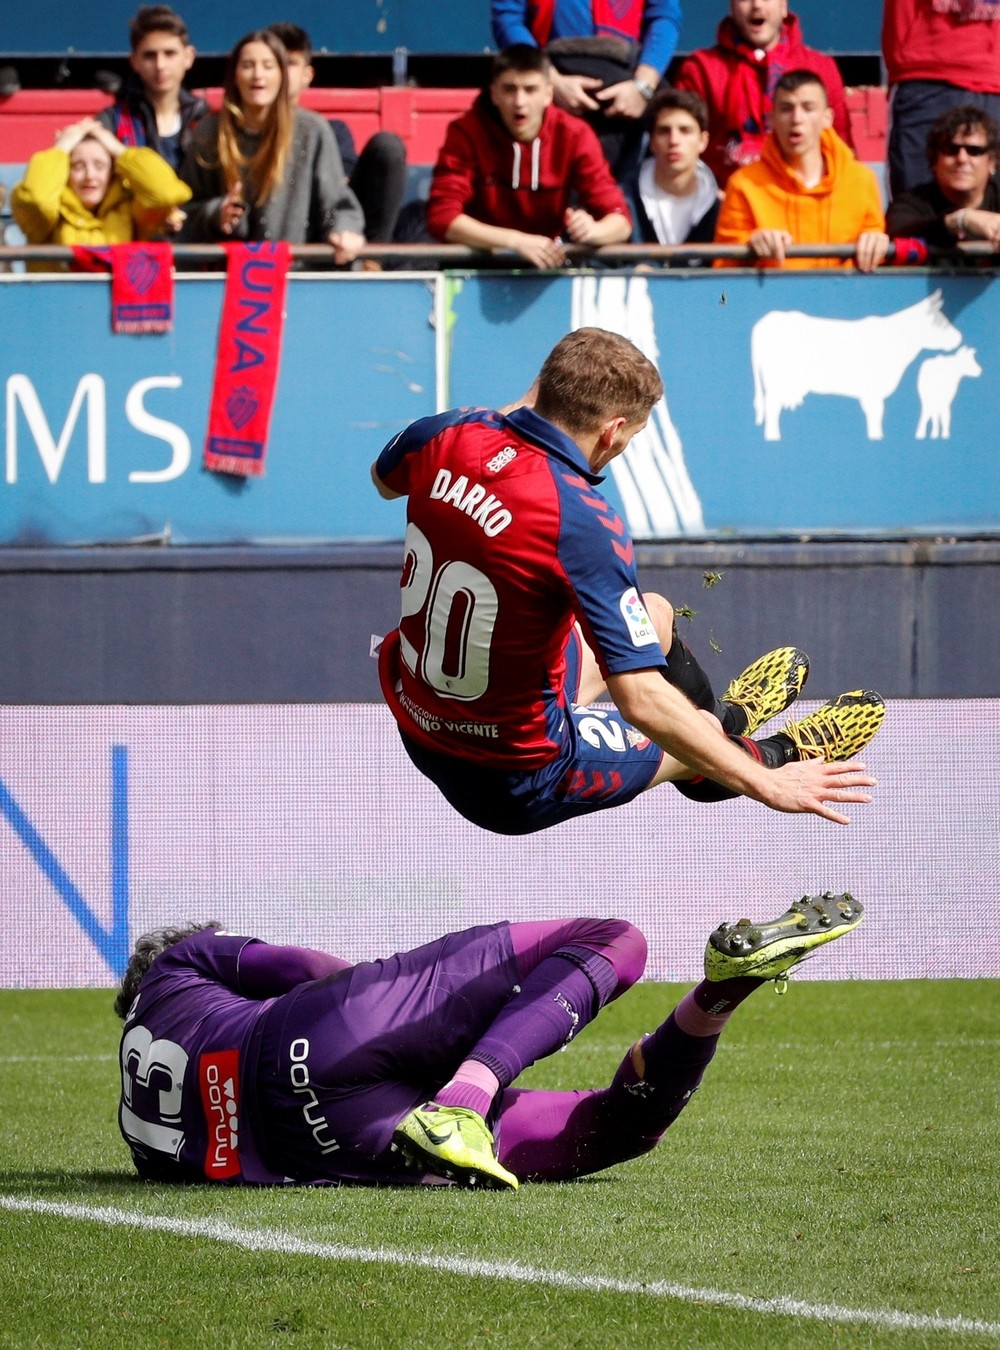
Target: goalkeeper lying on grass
(248, 1063)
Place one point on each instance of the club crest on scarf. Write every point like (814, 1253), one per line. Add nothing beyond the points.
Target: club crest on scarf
(241, 406)
(142, 269)
(142, 283)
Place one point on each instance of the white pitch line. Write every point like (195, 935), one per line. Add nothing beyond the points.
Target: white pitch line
(860, 1047)
(272, 1240)
(597, 1046)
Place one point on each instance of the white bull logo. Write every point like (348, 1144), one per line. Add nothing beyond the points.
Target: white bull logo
(795, 354)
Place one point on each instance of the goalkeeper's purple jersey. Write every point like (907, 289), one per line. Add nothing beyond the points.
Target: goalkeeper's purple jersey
(189, 1059)
(240, 1059)
(508, 542)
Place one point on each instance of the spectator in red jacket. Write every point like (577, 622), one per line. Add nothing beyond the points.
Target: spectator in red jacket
(937, 55)
(518, 173)
(757, 43)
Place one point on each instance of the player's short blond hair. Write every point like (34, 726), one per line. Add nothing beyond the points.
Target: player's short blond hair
(592, 375)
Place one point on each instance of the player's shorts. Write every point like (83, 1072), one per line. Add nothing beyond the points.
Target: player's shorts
(340, 1061)
(603, 761)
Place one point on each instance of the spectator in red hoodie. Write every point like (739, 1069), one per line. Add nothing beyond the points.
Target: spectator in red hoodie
(757, 43)
(517, 173)
(938, 54)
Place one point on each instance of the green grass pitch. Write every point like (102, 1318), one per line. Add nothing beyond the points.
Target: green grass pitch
(841, 1159)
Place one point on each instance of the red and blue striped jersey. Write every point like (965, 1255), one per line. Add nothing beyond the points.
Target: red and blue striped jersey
(508, 542)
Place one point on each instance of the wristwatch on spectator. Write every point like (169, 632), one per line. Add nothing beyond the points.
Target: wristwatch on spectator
(644, 87)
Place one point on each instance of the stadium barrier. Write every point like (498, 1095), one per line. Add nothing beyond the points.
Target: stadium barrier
(194, 256)
(268, 817)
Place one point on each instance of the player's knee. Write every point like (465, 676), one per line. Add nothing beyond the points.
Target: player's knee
(387, 149)
(634, 950)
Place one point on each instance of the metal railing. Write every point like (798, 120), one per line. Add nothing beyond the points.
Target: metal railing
(457, 256)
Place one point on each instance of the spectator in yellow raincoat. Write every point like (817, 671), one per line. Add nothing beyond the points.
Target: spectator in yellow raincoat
(90, 189)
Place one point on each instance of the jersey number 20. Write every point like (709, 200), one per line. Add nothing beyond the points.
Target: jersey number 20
(459, 605)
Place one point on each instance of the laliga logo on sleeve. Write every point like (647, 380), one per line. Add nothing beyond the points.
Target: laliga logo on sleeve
(637, 621)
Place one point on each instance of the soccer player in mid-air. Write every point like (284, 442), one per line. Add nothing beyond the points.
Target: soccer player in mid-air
(245, 1063)
(521, 606)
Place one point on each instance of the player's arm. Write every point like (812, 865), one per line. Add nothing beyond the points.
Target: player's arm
(391, 462)
(266, 971)
(381, 488)
(663, 713)
(391, 471)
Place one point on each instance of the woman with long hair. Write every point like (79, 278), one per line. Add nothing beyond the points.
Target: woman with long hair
(261, 169)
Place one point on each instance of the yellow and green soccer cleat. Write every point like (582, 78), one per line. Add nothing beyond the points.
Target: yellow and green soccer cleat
(768, 686)
(452, 1142)
(840, 728)
(769, 950)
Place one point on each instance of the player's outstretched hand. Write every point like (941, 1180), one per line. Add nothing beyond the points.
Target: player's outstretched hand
(809, 784)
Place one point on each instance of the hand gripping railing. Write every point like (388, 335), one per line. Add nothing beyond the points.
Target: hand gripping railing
(457, 256)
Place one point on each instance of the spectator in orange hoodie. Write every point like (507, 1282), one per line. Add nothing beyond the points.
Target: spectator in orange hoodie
(807, 188)
(758, 42)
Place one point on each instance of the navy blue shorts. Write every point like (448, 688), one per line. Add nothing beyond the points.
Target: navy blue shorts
(603, 761)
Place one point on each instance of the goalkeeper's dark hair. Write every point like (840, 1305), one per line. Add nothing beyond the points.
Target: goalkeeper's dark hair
(147, 949)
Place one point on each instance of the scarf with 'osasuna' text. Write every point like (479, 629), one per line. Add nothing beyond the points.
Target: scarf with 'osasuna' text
(247, 358)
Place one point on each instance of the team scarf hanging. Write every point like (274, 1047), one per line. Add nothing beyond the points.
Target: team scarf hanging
(968, 11)
(142, 284)
(247, 357)
(618, 18)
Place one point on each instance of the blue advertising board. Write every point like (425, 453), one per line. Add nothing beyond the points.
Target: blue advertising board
(823, 402)
(799, 404)
(104, 432)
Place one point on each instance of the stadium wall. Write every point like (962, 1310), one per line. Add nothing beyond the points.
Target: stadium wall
(263, 625)
(60, 27)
